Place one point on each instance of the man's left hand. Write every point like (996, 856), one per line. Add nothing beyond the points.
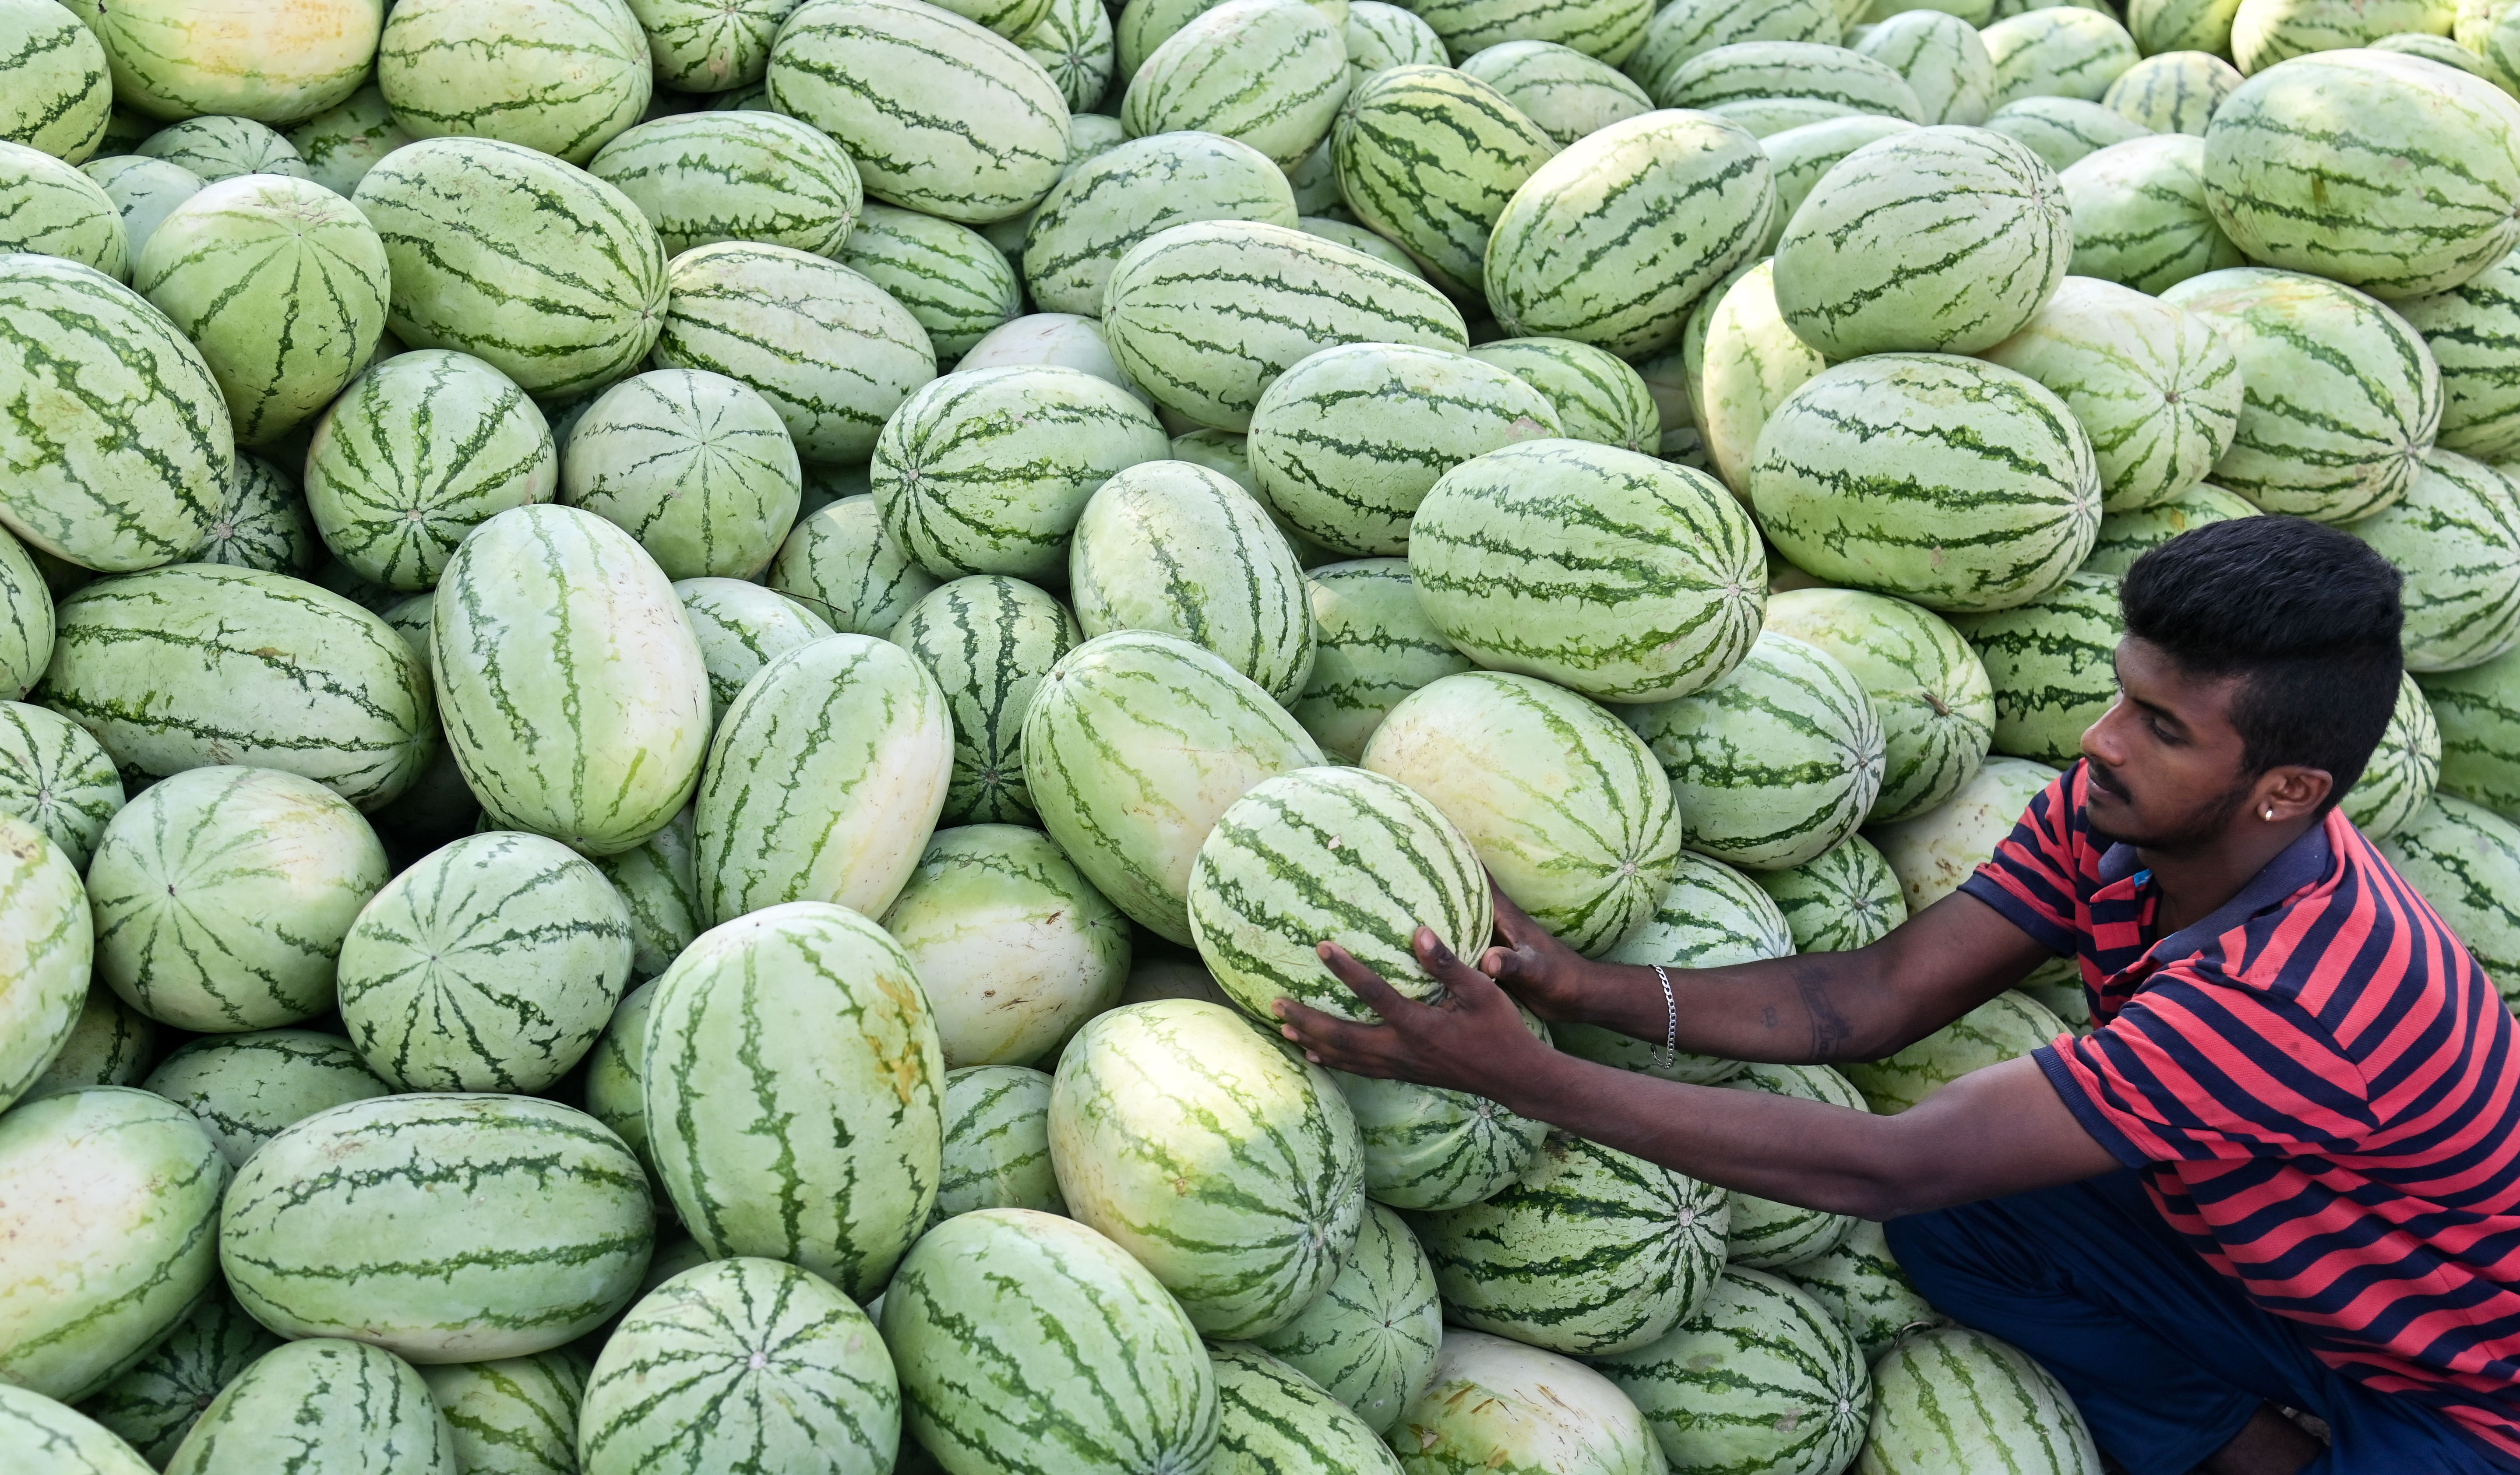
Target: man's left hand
(1473, 1039)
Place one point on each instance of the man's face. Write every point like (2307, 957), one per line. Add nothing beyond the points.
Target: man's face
(2166, 763)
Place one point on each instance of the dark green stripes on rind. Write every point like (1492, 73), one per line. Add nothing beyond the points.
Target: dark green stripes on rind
(1374, 647)
(2473, 331)
(25, 618)
(2177, 92)
(1073, 42)
(725, 175)
(1760, 1377)
(1117, 198)
(1597, 395)
(2478, 713)
(1272, 78)
(846, 571)
(224, 147)
(2140, 215)
(1565, 93)
(1865, 1289)
(156, 1404)
(2465, 860)
(1369, 1338)
(47, 944)
(2456, 537)
(1273, 1420)
(1498, 1407)
(1943, 61)
(49, 207)
(247, 1088)
(364, 1409)
(62, 92)
(997, 1144)
(1427, 1149)
(563, 84)
(1755, 70)
(2052, 663)
(1766, 1234)
(1429, 157)
(989, 641)
(951, 279)
(1689, 28)
(58, 1440)
(2006, 1027)
(742, 627)
(1378, 38)
(264, 524)
(515, 1415)
(55, 777)
(1950, 1397)
(1608, 30)
(2057, 55)
(2404, 769)
(712, 46)
(1847, 898)
(2063, 130)
(696, 466)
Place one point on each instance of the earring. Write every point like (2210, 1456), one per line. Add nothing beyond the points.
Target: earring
(2268, 812)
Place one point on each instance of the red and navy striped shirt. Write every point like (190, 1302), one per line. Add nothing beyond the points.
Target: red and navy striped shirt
(2319, 1086)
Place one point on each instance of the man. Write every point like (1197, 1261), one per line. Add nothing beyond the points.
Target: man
(2282, 1170)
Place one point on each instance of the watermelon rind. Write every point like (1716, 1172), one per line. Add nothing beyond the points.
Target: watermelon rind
(173, 60)
(2477, 711)
(144, 190)
(710, 46)
(1379, 37)
(1687, 28)
(1710, 917)
(2127, 536)
(1759, 72)
(1371, 1338)
(656, 881)
(1272, 1417)
(740, 627)
(1111, 203)
(2456, 537)
(2470, 330)
(2052, 663)
(1598, 395)
(2403, 771)
(2139, 214)
(1271, 74)
(264, 524)
(989, 640)
(61, 90)
(1845, 898)
(1741, 361)
(109, 1044)
(2465, 859)
(248, 1089)
(615, 1092)
(1943, 1394)
(342, 143)
(694, 465)
(1374, 647)
(220, 146)
(957, 284)
(997, 1144)
(1863, 1286)
(1760, 1377)
(2062, 130)
(68, 1441)
(156, 1404)
(1428, 156)
(454, 67)
(511, 1416)
(1428, 1149)
(848, 572)
(1074, 42)
(2007, 1027)
(47, 950)
(705, 177)
(2173, 92)
(2072, 53)
(1769, 1235)
(1935, 849)
(1942, 60)
(319, 1397)
(1494, 1407)
(53, 209)
(55, 777)
(1927, 688)
(1566, 93)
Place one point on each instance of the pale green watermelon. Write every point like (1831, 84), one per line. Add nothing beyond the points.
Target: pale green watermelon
(2478, 714)
(248, 1089)
(614, 1088)
(1565, 92)
(264, 524)
(997, 1144)
(26, 626)
(2140, 215)
(1598, 396)
(1803, 154)
(1933, 850)
(694, 465)
(55, 777)
(513, 1415)
(2127, 536)
(1380, 37)
(958, 285)
(47, 947)
(1429, 157)
(450, 67)
(1752, 71)
(219, 146)
(61, 92)
(174, 59)
(2065, 52)
(656, 882)
(1711, 916)
(51, 208)
(1498, 1408)
(1369, 1340)
(989, 640)
(2006, 1027)
(62, 1441)
(1376, 646)
(2465, 859)
(2173, 92)
(1073, 42)
(2456, 536)
(2403, 770)
(2062, 130)
(109, 1044)
(1766, 1234)
(156, 1404)
(1865, 1289)
(1428, 1148)
(1760, 1377)
(2052, 663)
(742, 627)
(2265, 33)
(324, 1403)
(1741, 361)
(1111, 203)
(1271, 74)
(1059, 338)
(1846, 898)
(848, 572)
(710, 46)
(2471, 330)
(1943, 1396)
(1940, 59)
(342, 143)
(705, 177)
(144, 190)
(1689, 28)
(1272, 1417)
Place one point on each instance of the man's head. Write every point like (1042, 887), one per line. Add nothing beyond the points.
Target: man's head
(2260, 668)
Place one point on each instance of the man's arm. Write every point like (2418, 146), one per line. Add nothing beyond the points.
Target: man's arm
(2002, 1130)
(1809, 1009)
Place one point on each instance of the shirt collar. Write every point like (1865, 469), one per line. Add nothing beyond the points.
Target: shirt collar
(2296, 866)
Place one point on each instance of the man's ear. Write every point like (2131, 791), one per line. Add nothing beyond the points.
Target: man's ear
(2290, 791)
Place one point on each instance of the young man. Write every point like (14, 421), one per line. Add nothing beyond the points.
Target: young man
(2284, 1169)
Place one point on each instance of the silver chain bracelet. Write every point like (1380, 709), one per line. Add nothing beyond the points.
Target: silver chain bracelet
(1669, 1054)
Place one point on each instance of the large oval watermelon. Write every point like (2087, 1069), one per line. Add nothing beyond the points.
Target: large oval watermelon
(1926, 686)
(705, 177)
(248, 1089)
(1271, 74)
(1115, 199)
(1498, 1408)
(1429, 157)
(47, 950)
(1942, 1395)
(1761, 1377)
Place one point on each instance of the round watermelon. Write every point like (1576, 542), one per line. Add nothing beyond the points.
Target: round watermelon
(323, 1400)
(1115, 199)
(1760, 1377)
(1492, 1407)
(1741, 361)
(2173, 92)
(1565, 92)
(2477, 711)
(989, 640)
(2052, 663)
(342, 143)
(48, 942)
(1711, 916)
(1271, 74)
(55, 777)
(1942, 1396)
(1428, 156)
(2139, 214)
(1766, 1234)
(2073, 53)
(2127, 536)
(1375, 646)
(2463, 859)
(56, 209)
(848, 572)
(694, 465)
(1428, 1149)
(1927, 688)
(224, 147)
(2473, 333)
(1863, 1286)
(1272, 1417)
(2007, 1027)
(248, 1089)
(1371, 1338)
(1943, 60)
(61, 92)
(263, 524)
(1846, 898)
(997, 1144)
(742, 627)
(2403, 771)
(2456, 536)
(157, 1402)
(513, 1414)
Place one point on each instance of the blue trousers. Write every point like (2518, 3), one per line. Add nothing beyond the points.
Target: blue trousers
(2165, 1355)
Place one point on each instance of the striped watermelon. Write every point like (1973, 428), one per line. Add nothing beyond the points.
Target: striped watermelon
(1331, 854)
(110, 1044)
(47, 947)
(145, 191)
(613, 1086)
(2062, 130)
(1498, 756)
(2477, 712)
(1597, 395)
(1612, 240)
(1846, 898)
(221, 147)
(1959, 484)
(1877, 259)
(1943, 61)
(951, 279)
(1073, 42)
(2465, 859)
(710, 46)
(1273, 1418)
(273, 867)
(1762, 117)
(1748, 71)
(2435, 48)
(656, 882)
(248, 1089)
(1376, 646)
(25, 617)
(841, 566)
(1936, 849)
(423, 449)
(547, 272)
(1943, 1397)
(1498, 1408)
(2127, 536)
(1059, 338)
(1379, 37)
(1519, 554)
(342, 143)
(2158, 392)
(1008, 18)
(1564, 92)
(694, 465)
(130, 463)
(988, 641)
(1271, 74)
(1741, 361)
(1761, 1377)
(1689, 28)
(1030, 1345)
(1429, 157)
(2265, 33)
(175, 60)
(997, 1144)
(1369, 1340)
(2139, 214)
(51, 208)
(2054, 665)
(2348, 400)
(2006, 1027)
(109, 1207)
(1591, 1252)
(988, 472)
(1766, 1234)
(2173, 92)
(1133, 746)
(68, 1442)
(824, 781)
(1152, 1095)
(740, 628)
(2403, 770)
(1865, 1289)
(1428, 1149)
(2412, 198)
(156, 1404)
(2456, 537)
(1774, 764)
(1112, 201)
(2161, 26)
(491, 964)
(449, 69)
(1711, 916)
(264, 524)
(323, 1403)
(705, 177)
(2470, 330)
(817, 999)
(61, 94)
(55, 777)
(833, 353)
(512, 1416)
(570, 685)
(741, 1361)
(2063, 52)
(989, 139)
(1609, 30)
(1204, 315)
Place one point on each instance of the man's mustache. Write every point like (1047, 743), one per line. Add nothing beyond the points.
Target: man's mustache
(2103, 779)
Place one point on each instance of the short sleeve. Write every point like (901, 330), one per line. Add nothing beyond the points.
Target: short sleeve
(2031, 877)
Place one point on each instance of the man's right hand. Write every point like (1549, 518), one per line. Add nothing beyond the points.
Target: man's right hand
(1534, 966)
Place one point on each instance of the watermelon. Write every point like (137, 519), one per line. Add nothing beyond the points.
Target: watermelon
(1944, 1396)
(324, 1403)
(1761, 1377)
(1379, 37)
(823, 781)
(51, 208)
(157, 1402)
(710, 46)
(1741, 361)
(129, 466)
(1273, 1418)
(2266, 31)
(738, 1361)
(1497, 755)
(1934, 850)
(423, 448)
(1942, 238)
(1073, 42)
(1769, 1235)
(840, 566)
(614, 1088)
(2477, 711)
(145, 191)
(199, 663)
(833, 353)
(1711, 916)
(1133, 746)
(61, 94)
(740, 627)
(248, 1089)
(264, 524)
(696, 466)
(657, 883)
(1063, 340)
(1564, 92)
(1429, 157)
(1030, 1345)
(2410, 198)
(1612, 240)
(2052, 663)
(47, 945)
(1371, 1338)
(60, 1440)
(514, 1416)
(1689, 28)
(2161, 26)
(988, 641)
(449, 67)
(55, 777)
(1270, 74)
(1750, 72)
(224, 147)
(1428, 1148)
(1962, 485)
(342, 143)
(1498, 1407)
(705, 177)
(1846, 898)
(997, 1144)
(1608, 31)
(1943, 61)
(951, 279)
(2006, 1027)
(990, 137)
(1376, 645)
(274, 869)
(2456, 537)
(2065, 52)
(109, 1044)
(2173, 92)
(2127, 536)
(2348, 400)
(2403, 770)
(1863, 1288)
(1597, 395)
(2063, 131)
(109, 1203)
(2469, 330)
(2465, 859)
(1014, 948)
(26, 628)
(2435, 48)
(1204, 315)
(2139, 214)
(1115, 199)
(1153, 1096)
(173, 60)
(548, 273)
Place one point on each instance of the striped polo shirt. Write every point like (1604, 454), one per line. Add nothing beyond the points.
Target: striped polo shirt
(2320, 1088)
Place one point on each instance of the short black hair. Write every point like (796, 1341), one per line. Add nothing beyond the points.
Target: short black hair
(2307, 615)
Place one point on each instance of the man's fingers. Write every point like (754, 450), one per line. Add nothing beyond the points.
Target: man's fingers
(1363, 982)
(1513, 924)
(1327, 1040)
